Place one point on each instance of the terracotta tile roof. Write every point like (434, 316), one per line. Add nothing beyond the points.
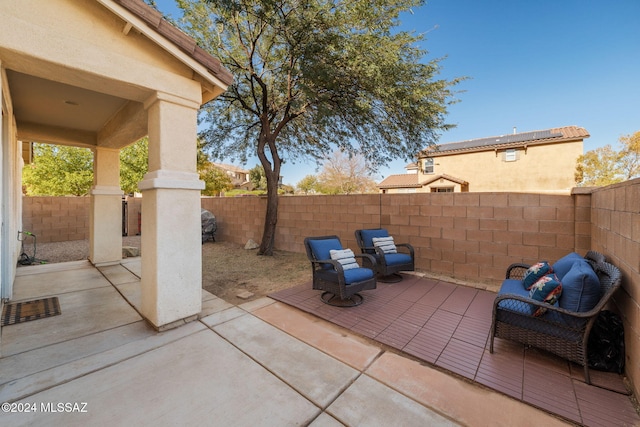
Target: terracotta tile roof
(154, 19)
(231, 168)
(546, 136)
(410, 180)
(405, 180)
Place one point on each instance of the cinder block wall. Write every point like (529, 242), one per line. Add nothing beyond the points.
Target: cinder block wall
(615, 231)
(467, 236)
(56, 219)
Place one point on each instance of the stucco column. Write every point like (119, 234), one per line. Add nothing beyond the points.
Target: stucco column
(105, 216)
(171, 236)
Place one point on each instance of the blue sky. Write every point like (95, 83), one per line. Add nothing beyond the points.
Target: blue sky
(531, 65)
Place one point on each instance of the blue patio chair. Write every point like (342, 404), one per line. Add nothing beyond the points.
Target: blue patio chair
(336, 272)
(389, 260)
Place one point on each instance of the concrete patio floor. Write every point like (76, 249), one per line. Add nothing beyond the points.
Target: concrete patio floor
(262, 363)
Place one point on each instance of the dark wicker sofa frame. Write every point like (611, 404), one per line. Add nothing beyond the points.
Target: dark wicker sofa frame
(562, 332)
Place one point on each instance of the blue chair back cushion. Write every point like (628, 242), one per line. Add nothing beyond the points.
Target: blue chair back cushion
(581, 288)
(564, 264)
(321, 248)
(368, 235)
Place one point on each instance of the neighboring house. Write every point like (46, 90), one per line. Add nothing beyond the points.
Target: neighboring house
(239, 177)
(542, 161)
(102, 74)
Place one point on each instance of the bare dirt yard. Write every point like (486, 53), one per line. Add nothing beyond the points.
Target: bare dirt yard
(228, 270)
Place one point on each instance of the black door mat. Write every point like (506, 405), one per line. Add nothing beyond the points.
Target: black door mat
(19, 312)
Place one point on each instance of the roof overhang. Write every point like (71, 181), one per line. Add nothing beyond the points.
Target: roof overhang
(88, 93)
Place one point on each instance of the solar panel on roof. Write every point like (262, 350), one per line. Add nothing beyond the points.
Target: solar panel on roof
(496, 140)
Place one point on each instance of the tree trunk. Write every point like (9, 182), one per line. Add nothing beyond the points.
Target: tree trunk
(271, 217)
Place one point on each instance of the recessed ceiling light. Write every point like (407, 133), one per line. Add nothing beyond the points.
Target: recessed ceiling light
(71, 103)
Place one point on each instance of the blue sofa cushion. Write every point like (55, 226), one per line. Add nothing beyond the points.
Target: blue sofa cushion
(397, 259)
(357, 275)
(368, 235)
(564, 264)
(581, 288)
(535, 273)
(514, 287)
(548, 289)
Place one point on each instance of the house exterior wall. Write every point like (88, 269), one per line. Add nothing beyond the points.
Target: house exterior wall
(547, 168)
(10, 191)
(441, 184)
(402, 190)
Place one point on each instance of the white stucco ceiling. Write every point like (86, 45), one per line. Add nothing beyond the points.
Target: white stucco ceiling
(45, 102)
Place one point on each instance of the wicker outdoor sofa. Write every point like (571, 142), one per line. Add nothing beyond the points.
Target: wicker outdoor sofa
(562, 328)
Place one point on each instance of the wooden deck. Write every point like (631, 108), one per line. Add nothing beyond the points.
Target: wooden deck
(448, 325)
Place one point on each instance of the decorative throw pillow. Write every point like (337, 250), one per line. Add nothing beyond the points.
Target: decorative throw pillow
(386, 244)
(547, 289)
(580, 288)
(344, 257)
(535, 272)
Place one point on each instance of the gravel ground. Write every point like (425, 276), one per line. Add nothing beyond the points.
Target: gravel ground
(73, 250)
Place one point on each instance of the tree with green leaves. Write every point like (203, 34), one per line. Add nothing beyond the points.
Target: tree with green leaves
(258, 178)
(215, 180)
(58, 170)
(308, 184)
(312, 76)
(134, 164)
(630, 156)
(605, 166)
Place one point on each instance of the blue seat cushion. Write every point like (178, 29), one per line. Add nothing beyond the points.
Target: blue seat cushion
(564, 264)
(514, 287)
(357, 275)
(321, 248)
(581, 288)
(397, 259)
(368, 235)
